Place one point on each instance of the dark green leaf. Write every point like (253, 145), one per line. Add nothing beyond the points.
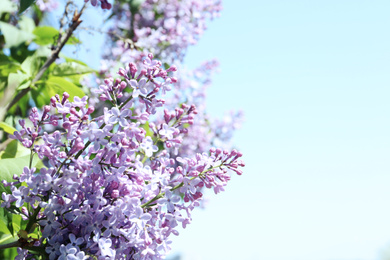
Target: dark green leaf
(5, 58)
(21, 51)
(5, 222)
(42, 94)
(23, 104)
(135, 5)
(10, 221)
(24, 4)
(14, 150)
(9, 253)
(7, 67)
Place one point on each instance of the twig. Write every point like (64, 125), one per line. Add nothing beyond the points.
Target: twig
(74, 24)
(12, 244)
(127, 41)
(62, 22)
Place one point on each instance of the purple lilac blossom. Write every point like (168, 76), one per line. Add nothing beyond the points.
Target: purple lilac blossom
(118, 199)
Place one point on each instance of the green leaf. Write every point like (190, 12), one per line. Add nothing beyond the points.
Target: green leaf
(31, 65)
(3, 83)
(6, 226)
(23, 104)
(11, 166)
(70, 69)
(14, 150)
(5, 58)
(16, 79)
(45, 35)
(149, 132)
(61, 85)
(6, 238)
(7, 128)
(6, 222)
(42, 94)
(7, 6)
(135, 5)
(13, 36)
(7, 67)
(27, 24)
(54, 85)
(9, 253)
(24, 4)
(43, 51)
(10, 224)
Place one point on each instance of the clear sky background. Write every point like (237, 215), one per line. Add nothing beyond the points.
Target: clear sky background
(313, 80)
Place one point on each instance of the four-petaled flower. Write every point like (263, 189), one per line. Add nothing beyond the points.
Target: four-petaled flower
(169, 200)
(119, 116)
(140, 218)
(167, 131)
(139, 87)
(148, 146)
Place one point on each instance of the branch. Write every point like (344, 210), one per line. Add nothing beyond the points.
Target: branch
(12, 244)
(73, 26)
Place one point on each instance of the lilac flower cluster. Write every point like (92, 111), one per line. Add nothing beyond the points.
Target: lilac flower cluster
(114, 186)
(165, 27)
(205, 132)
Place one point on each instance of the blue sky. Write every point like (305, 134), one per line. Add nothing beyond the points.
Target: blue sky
(313, 79)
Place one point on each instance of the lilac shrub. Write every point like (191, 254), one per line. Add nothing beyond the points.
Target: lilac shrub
(114, 186)
(166, 28)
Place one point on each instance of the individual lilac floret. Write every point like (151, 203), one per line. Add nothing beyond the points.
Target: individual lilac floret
(67, 253)
(119, 116)
(148, 146)
(49, 225)
(140, 218)
(139, 87)
(167, 132)
(150, 63)
(105, 248)
(169, 200)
